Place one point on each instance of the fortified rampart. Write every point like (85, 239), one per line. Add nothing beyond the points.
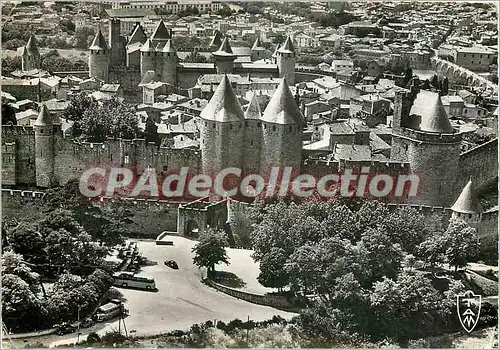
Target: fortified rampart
(480, 164)
(72, 158)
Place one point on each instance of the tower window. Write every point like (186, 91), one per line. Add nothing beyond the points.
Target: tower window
(258, 124)
(251, 142)
(213, 125)
(274, 127)
(290, 129)
(246, 124)
(230, 126)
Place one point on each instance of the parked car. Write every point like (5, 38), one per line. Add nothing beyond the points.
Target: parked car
(172, 264)
(65, 328)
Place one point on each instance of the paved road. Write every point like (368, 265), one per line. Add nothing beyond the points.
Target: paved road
(181, 300)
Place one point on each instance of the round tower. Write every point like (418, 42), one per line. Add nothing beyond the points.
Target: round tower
(253, 137)
(467, 206)
(31, 55)
(285, 59)
(147, 57)
(169, 63)
(99, 57)
(222, 130)
(45, 133)
(423, 137)
(258, 51)
(224, 58)
(282, 127)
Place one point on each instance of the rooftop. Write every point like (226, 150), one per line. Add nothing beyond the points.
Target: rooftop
(224, 105)
(429, 107)
(467, 202)
(282, 108)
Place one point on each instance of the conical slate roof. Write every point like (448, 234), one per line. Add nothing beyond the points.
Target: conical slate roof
(275, 53)
(282, 108)
(148, 46)
(287, 46)
(99, 43)
(217, 39)
(429, 107)
(31, 45)
(44, 117)
(224, 105)
(168, 47)
(467, 202)
(161, 32)
(225, 49)
(253, 110)
(257, 45)
(137, 36)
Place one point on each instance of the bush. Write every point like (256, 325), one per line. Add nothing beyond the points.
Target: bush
(233, 325)
(113, 337)
(419, 344)
(221, 325)
(93, 337)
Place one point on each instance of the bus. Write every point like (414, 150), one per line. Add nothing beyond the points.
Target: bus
(108, 311)
(130, 279)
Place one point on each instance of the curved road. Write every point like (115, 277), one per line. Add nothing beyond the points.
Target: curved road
(181, 300)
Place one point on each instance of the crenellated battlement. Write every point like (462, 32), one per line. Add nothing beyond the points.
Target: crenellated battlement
(375, 166)
(17, 130)
(429, 137)
(492, 144)
(19, 193)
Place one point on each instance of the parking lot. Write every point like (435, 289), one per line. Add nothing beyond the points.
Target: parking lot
(181, 299)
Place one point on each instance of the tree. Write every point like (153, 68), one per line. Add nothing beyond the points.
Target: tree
(434, 81)
(21, 309)
(195, 57)
(110, 119)
(211, 250)
(408, 76)
(13, 44)
(8, 114)
(78, 104)
(14, 264)
(66, 282)
(105, 224)
(53, 62)
(445, 87)
(84, 37)
(26, 239)
(461, 243)
(398, 66)
(406, 307)
(11, 64)
(67, 26)
(225, 11)
(272, 273)
(431, 251)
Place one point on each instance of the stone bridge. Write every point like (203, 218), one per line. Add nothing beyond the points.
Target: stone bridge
(451, 70)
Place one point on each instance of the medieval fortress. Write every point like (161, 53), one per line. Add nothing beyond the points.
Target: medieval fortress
(423, 140)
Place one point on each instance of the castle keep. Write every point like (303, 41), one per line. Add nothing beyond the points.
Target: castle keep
(41, 156)
(128, 61)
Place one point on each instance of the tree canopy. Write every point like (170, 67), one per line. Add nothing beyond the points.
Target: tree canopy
(356, 258)
(211, 250)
